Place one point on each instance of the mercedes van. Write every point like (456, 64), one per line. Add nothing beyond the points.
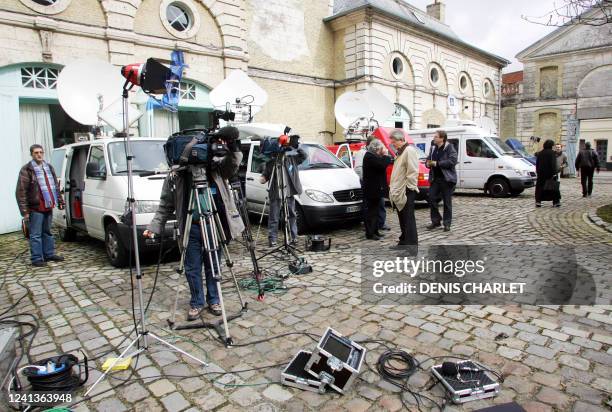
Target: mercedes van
(93, 180)
(484, 161)
(331, 190)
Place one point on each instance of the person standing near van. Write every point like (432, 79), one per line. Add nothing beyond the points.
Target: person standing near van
(37, 194)
(375, 163)
(586, 163)
(292, 187)
(547, 185)
(404, 188)
(382, 210)
(441, 161)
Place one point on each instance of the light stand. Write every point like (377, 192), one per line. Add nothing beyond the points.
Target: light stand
(142, 334)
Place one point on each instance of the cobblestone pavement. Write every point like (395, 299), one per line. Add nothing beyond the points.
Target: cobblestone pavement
(554, 357)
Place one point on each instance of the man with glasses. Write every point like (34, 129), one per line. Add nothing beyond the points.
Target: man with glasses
(37, 194)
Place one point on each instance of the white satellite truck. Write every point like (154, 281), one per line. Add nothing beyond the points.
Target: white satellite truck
(484, 161)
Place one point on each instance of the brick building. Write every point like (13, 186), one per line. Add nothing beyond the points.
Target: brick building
(305, 54)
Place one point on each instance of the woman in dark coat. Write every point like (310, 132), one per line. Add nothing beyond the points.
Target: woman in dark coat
(546, 168)
(375, 163)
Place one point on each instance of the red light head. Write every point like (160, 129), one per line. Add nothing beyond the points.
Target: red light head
(133, 73)
(283, 140)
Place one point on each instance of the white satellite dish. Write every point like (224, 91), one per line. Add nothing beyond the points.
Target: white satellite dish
(369, 103)
(113, 115)
(238, 87)
(380, 106)
(350, 107)
(487, 124)
(86, 87)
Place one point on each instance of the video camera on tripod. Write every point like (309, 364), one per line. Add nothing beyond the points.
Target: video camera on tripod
(271, 146)
(198, 146)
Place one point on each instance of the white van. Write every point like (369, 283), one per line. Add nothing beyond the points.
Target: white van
(331, 190)
(484, 161)
(93, 181)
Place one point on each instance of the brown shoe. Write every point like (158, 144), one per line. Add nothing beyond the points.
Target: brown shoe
(194, 313)
(215, 309)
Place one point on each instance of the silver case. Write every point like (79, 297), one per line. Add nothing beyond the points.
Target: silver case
(466, 395)
(290, 378)
(339, 366)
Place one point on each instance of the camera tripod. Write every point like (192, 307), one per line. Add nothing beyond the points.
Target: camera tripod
(288, 248)
(214, 241)
(247, 234)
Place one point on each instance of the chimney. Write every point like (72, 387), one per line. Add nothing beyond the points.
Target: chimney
(436, 10)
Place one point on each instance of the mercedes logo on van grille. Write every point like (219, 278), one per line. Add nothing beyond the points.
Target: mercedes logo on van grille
(352, 195)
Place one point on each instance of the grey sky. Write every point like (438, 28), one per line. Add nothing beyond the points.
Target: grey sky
(496, 25)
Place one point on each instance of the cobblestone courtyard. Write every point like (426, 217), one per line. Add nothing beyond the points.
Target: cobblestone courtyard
(554, 358)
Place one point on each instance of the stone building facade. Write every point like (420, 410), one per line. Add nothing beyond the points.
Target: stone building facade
(305, 54)
(566, 91)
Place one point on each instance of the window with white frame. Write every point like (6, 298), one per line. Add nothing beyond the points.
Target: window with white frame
(188, 91)
(39, 77)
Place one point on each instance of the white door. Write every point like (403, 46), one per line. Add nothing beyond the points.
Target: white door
(93, 193)
(344, 153)
(478, 162)
(256, 192)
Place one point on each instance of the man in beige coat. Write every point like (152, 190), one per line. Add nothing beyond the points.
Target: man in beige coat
(403, 189)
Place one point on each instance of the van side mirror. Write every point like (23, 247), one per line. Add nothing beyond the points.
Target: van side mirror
(93, 170)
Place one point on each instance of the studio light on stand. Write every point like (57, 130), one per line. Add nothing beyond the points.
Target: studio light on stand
(89, 102)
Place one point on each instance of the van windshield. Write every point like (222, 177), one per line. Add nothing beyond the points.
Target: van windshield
(499, 145)
(148, 156)
(319, 158)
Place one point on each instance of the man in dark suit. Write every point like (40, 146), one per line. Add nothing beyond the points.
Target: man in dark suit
(375, 163)
(441, 162)
(587, 162)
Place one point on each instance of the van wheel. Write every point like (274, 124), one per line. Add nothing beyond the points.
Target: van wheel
(114, 248)
(301, 220)
(67, 234)
(499, 187)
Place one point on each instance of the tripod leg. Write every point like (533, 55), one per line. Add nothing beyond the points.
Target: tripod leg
(181, 268)
(228, 258)
(210, 242)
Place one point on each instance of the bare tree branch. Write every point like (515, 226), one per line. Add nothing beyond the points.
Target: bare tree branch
(571, 12)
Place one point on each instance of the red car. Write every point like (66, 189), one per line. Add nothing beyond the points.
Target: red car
(346, 152)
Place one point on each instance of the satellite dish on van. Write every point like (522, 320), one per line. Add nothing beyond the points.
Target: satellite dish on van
(380, 107)
(238, 89)
(487, 124)
(369, 103)
(350, 107)
(88, 86)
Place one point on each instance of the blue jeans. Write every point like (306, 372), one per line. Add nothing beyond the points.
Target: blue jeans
(42, 245)
(194, 255)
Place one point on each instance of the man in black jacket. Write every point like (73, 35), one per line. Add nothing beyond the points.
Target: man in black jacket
(586, 163)
(441, 162)
(375, 163)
